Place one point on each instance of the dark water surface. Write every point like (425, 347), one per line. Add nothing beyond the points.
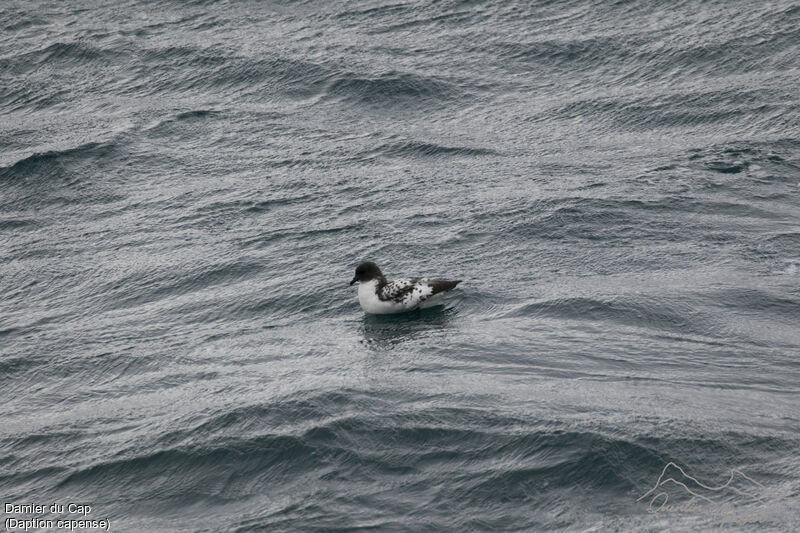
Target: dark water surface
(186, 188)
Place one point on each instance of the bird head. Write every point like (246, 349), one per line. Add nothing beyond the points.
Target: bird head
(367, 272)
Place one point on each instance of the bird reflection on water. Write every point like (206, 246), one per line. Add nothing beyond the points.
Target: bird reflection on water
(388, 331)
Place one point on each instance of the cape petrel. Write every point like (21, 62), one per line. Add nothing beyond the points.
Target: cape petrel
(378, 296)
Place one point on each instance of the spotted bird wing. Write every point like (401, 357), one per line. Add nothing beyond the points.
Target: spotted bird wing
(412, 292)
(407, 292)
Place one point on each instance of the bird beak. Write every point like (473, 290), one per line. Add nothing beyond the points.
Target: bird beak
(354, 280)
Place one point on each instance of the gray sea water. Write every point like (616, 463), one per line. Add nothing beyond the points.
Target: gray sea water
(187, 186)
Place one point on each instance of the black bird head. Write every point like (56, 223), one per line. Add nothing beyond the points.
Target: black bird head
(367, 272)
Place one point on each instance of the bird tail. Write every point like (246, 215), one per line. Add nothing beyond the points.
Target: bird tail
(442, 285)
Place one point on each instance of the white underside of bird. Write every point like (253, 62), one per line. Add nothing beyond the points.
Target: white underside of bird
(419, 297)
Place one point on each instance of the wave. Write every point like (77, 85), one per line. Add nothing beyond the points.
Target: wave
(14, 224)
(476, 463)
(779, 306)
(427, 149)
(679, 108)
(393, 88)
(51, 162)
(774, 160)
(19, 19)
(650, 312)
(351, 447)
(150, 285)
(601, 219)
(569, 54)
(189, 69)
(61, 54)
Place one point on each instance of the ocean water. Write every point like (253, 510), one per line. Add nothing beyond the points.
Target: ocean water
(186, 189)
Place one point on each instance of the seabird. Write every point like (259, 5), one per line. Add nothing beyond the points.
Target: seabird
(378, 296)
